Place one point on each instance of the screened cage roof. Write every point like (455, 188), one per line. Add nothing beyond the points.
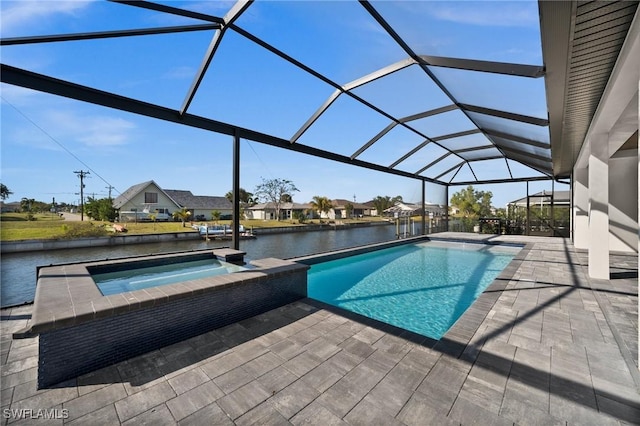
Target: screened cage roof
(379, 85)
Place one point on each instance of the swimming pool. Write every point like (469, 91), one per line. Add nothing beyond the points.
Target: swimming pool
(423, 287)
(133, 278)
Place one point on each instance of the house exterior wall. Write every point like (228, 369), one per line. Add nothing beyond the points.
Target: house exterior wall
(138, 201)
(207, 212)
(623, 208)
(255, 214)
(10, 207)
(263, 214)
(341, 213)
(267, 212)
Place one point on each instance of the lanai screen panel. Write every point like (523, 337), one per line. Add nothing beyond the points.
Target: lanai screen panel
(434, 90)
(404, 93)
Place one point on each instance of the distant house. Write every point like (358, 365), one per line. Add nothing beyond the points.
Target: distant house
(560, 198)
(142, 200)
(202, 205)
(10, 207)
(267, 211)
(434, 210)
(147, 198)
(339, 209)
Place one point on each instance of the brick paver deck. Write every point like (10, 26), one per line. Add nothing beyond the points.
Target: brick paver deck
(547, 347)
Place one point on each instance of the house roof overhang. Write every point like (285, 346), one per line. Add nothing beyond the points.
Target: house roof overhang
(581, 44)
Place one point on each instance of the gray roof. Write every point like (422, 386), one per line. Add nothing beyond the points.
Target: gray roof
(132, 191)
(198, 202)
(339, 202)
(559, 197)
(125, 196)
(182, 198)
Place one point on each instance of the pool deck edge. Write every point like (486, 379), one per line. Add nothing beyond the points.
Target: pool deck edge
(66, 295)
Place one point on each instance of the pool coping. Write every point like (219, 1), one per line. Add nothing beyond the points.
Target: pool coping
(66, 295)
(352, 251)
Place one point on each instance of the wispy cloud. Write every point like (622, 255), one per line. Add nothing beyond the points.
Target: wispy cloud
(106, 131)
(496, 14)
(217, 8)
(179, 73)
(18, 96)
(18, 15)
(70, 128)
(94, 131)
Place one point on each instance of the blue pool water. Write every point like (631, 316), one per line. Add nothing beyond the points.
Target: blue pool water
(422, 287)
(136, 279)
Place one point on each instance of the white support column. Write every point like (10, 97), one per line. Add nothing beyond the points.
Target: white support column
(580, 208)
(599, 207)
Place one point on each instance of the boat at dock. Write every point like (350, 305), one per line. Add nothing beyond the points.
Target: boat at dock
(222, 232)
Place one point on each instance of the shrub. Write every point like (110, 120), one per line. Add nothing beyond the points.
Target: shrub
(82, 230)
(300, 216)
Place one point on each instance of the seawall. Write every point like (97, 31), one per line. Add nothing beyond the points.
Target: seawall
(312, 228)
(113, 240)
(123, 239)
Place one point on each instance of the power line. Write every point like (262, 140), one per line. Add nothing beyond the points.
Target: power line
(110, 187)
(56, 141)
(260, 159)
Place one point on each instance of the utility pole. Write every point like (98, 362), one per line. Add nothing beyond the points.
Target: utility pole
(109, 188)
(81, 174)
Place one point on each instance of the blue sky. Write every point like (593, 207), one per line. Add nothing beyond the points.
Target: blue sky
(46, 138)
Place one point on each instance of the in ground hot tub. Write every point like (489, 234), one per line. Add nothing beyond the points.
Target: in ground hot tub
(82, 330)
(131, 276)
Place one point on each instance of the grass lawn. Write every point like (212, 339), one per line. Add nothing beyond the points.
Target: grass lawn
(16, 227)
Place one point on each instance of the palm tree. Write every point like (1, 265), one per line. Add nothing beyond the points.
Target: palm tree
(321, 204)
(348, 208)
(4, 192)
(215, 215)
(381, 203)
(153, 217)
(182, 215)
(26, 204)
(245, 197)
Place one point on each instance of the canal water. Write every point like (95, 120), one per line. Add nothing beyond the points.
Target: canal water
(18, 270)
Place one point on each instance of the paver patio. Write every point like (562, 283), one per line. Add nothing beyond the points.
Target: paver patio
(546, 346)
